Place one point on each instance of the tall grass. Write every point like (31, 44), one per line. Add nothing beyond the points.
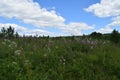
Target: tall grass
(59, 59)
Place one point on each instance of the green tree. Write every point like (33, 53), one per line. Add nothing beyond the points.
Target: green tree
(3, 32)
(8, 32)
(96, 35)
(16, 35)
(115, 36)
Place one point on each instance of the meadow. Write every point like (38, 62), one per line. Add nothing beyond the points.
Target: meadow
(62, 58)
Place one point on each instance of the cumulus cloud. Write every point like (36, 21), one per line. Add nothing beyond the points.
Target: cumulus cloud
(115, 21)
(106, 29)
(105, 8)
(70, 29)
(30, 12)
(40, 32)
(22, 30)
(109, 27)
(75, 28)
(15, 26)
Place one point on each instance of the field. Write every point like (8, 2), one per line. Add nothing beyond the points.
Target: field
(63, 58)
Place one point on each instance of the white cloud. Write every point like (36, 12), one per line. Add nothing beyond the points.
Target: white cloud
(106, 29)
(22, 30)
(115, 21)
(15, 26)
(40, 32)
(70, 29)
(109, 27)
(30, 12)
(116, 18)
(75, 28)
(105, 8)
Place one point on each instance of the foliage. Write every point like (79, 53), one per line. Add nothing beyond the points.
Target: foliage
(96, 35)
(62, 58)
(8, 32)
(115, 36)
(59, 59)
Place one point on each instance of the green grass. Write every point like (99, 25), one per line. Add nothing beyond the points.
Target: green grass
(58, 59)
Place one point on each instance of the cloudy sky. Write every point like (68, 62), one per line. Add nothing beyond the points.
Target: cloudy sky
(60, 17)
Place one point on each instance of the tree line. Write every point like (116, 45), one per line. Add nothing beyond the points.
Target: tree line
(113, 37)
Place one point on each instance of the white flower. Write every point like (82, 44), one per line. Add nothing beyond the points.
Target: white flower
(4, 43)
(45, 55)
(27, 62)
(17, 52)
(14, 44)
(7, 41)
(15, 63)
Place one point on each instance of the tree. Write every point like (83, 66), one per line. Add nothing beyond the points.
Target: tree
(96, 35)
(114, 37)
(8, 32)
(3, 32)
(16, 35)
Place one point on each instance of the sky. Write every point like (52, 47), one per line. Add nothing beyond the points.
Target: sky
(60, 17)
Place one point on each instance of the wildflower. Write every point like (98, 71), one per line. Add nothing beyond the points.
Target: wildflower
(4, 43)
(12, 45)
(7, 41)
(103, 42)
(48, 46)
(14, 63)
(35, 46)
(64, 63)
(64, 40)
(17, 52)
(27, 62)
(56, 47)
(91, 47)
(45, 55)
(63, 60)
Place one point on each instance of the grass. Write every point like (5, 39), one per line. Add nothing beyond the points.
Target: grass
(59, 59)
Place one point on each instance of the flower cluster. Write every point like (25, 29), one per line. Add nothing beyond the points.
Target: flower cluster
(6, 42)
(10, 44)
(89, 41)
(63, 60)
(17, 52)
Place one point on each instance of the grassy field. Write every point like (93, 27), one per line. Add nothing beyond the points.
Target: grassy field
(59, 59)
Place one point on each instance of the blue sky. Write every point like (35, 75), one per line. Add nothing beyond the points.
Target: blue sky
(60, 17)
